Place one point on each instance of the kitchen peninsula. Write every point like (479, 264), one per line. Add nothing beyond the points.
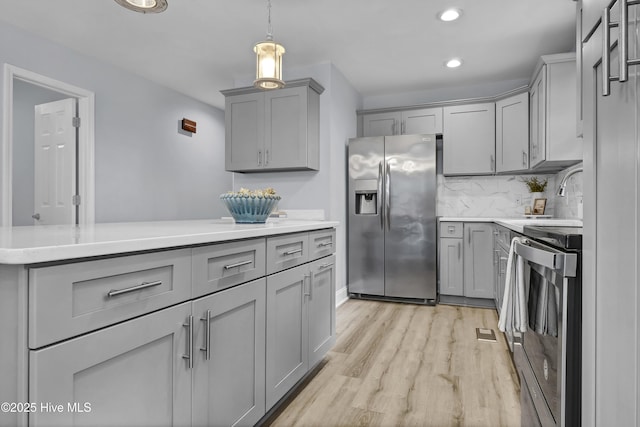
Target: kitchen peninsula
(140, 322)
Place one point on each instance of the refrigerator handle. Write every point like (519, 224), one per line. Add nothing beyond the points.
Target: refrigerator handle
(387, 192)
(380, 195)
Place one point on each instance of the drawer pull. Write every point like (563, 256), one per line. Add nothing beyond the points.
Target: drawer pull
(324, 244)
(326, 265)
(292, 252)
(115, 292)
(237, 264)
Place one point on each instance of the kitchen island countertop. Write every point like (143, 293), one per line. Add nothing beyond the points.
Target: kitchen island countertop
(45, 243)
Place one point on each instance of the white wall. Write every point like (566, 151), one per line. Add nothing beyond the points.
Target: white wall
(146, 168)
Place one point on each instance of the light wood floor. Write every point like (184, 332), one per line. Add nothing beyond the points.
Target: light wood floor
(401, 364)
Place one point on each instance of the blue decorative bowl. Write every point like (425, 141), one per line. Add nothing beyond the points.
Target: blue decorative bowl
(250, 209)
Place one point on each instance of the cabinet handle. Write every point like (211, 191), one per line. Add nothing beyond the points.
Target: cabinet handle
(623, 50)
(469, 236)
(189, 355)
(259, 157)
(524, 158)
(115, 292)
(207, 335)
(493, 163)
(237, 264)
(459, 250)
(606, 79)
(323, 266)
(324, 244)
(404, 127)
(304, 285)
(291, 252)
(451, 229)
(266, 157)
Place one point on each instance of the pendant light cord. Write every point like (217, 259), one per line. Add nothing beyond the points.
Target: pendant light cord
(269, 29)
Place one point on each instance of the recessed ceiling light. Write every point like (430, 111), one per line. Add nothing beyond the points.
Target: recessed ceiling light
(453, 63)
(450, 15)
(144, 6)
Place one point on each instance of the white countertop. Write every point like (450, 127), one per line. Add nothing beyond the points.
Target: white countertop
(32, 244)
(517, 224)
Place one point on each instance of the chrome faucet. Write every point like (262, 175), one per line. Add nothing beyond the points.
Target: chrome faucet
(562, 189)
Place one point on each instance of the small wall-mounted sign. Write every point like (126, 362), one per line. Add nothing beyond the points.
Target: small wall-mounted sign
(189, 125)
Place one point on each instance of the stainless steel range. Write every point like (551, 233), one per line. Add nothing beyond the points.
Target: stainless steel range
(548, 360)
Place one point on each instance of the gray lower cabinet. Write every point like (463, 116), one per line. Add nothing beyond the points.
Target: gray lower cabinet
(300, 330)
(451, 267)
(229, 354)
(478, 260)
(133, 373)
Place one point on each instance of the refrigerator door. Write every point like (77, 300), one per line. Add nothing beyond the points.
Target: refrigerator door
(365, 219)
(410, 216)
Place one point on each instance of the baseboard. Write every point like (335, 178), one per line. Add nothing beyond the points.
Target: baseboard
(341, 296)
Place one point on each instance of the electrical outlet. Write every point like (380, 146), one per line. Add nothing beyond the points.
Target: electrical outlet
(518, 199)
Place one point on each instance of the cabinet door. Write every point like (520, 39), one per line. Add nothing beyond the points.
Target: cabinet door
(423, 121)
(229, 371)
(478, 260)
(451, 267)
(133, 373)
(287, 331)
(286, 128)
(322, 302)
(469, 140)
(381, 124)
(538, 109)
(244, 132)
(512, 133)
(610, 316)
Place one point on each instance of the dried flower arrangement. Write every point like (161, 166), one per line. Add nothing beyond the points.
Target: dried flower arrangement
(535, 185)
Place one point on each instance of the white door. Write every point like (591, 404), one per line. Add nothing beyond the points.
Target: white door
(55, 163)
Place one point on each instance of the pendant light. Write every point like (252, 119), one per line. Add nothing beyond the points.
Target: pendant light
(269, 60)
(144, 6)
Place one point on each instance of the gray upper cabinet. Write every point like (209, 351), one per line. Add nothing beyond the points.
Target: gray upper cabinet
(512, 133)
(478, 260)
(469, 139)
(409, 122)
(273, 130)
(553, 143)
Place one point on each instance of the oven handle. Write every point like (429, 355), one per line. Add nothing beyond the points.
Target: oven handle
(536, 253)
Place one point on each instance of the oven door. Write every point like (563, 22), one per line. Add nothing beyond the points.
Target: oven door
(550, 274)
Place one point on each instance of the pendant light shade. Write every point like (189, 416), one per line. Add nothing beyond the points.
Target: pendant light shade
(269, 65)
(269, 60)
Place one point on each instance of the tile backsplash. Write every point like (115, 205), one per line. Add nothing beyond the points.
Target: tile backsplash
(505, 196)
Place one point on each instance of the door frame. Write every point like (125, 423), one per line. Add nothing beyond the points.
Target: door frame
(86, 141)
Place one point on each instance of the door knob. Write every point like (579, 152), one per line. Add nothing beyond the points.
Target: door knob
(36, 216)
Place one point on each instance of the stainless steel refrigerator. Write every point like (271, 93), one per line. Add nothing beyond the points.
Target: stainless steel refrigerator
(392, 217)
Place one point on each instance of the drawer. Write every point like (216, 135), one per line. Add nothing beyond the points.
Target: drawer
(322, 243)
(287, 251)
(71, 299)
(451, 229)
(218, 267)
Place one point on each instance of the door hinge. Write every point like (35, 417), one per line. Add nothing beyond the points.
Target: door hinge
(75, 121)
(75, 200)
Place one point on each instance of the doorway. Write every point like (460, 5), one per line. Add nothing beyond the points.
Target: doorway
(19, 190)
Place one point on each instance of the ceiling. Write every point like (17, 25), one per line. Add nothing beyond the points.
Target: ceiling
(199, 47)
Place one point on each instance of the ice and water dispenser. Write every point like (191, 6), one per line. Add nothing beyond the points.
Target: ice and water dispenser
(366, 195)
